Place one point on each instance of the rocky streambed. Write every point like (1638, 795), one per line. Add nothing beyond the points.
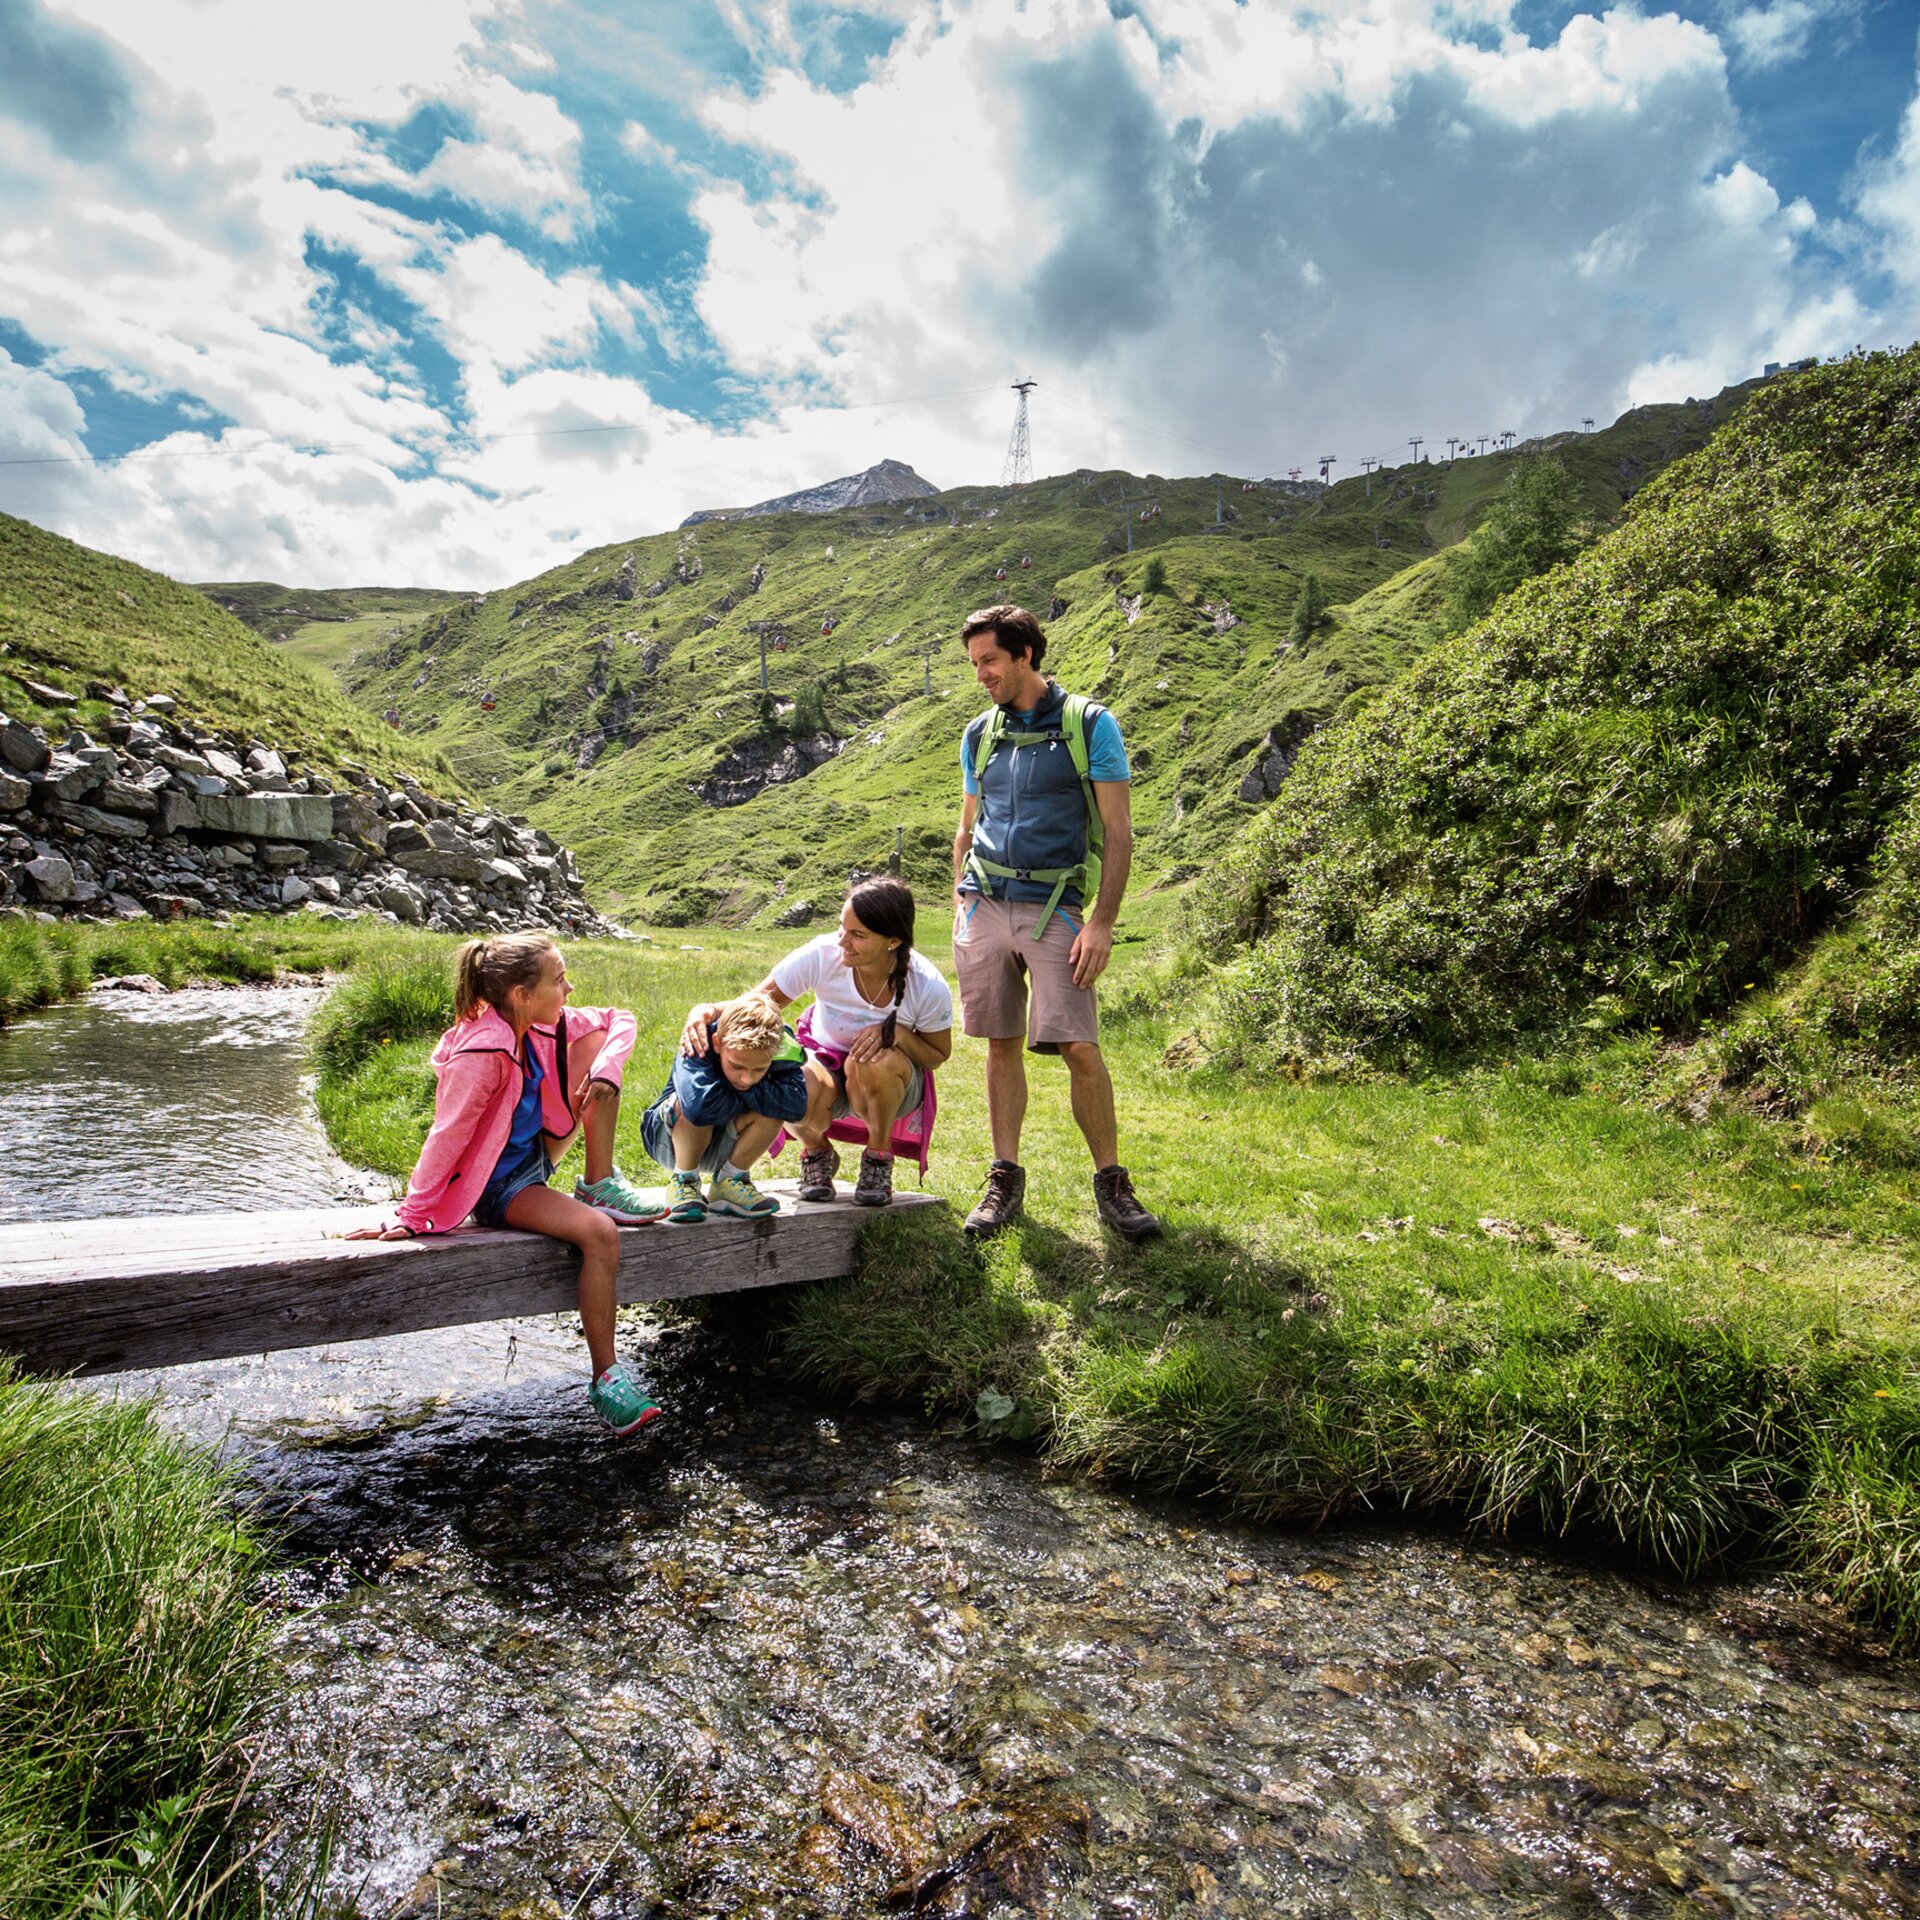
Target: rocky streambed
(776, 1657)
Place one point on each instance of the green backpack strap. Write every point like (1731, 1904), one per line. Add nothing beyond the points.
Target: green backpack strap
(989, 739)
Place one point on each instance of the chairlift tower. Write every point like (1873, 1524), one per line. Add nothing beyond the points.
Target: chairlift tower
(1369, 463)
(1451, 444)
(1484, 438)
(1018, 472)
(1416, 441)
(1586, 425)
(1326, 468)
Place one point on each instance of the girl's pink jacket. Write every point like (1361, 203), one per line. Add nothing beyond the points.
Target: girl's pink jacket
(478, 1069)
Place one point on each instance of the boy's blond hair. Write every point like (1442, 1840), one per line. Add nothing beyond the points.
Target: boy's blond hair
(751, 1024)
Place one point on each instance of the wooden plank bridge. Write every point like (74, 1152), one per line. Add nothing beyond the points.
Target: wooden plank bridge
(103, 1296)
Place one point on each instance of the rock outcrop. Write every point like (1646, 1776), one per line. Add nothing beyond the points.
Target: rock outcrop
(767, 760)
(163, 819)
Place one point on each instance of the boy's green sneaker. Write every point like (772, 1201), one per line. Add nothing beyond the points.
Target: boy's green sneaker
(621, 1401)
(625, 1205)
(732, 1192)
(686, 1204)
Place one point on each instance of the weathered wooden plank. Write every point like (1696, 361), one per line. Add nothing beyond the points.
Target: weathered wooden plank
(101, 1296)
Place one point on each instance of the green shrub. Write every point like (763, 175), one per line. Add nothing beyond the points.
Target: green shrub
(1652, 774)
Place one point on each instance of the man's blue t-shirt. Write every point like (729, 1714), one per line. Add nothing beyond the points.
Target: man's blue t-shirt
(1106, 751)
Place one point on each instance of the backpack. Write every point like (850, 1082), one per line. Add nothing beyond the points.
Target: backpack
(1086, 876)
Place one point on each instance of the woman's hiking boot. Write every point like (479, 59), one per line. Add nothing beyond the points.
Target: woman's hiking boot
(818, 1165)
(1005, 1195)
(875, 1188)
(1113, 1195)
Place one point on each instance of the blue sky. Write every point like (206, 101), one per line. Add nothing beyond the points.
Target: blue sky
(442, 293)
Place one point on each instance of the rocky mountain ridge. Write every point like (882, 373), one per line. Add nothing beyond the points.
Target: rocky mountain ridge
(881, 484)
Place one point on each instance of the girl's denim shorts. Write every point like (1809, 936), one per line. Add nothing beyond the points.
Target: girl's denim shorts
(534, 1171)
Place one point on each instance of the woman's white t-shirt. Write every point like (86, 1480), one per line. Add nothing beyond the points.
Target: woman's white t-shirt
(840, 1013)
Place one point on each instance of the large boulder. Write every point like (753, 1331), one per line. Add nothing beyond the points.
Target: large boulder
(21, 748)
(436, 851)
(268, 816)
(51, 876)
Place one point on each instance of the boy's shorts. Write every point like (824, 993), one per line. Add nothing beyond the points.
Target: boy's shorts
(1011, 983)
(656, 1135)
(490, 1210)
(700, 1090)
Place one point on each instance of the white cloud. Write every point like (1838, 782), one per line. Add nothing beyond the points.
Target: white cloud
(1888, 201)
(1217, 234)
(1771, 35)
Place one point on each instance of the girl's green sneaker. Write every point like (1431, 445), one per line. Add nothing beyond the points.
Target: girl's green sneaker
(620, 1400)
(733, 1192)
(686, 1204)
(623, 1204)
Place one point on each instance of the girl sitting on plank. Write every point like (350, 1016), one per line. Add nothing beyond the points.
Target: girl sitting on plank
(519, 1073)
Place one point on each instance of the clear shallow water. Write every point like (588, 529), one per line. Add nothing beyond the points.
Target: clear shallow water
(130, 1103)
(780, 1659)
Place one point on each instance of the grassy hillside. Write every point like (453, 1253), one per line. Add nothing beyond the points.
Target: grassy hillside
(1642, 786)
(609, 712)
(326, 627)
(71, 617)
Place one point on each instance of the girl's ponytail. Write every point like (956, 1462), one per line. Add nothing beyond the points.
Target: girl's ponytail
(469, 971)
(486, 970)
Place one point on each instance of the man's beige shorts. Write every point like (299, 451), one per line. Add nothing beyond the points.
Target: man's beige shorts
(1011, 983)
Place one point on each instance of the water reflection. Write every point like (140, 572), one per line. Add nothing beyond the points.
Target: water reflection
(165, 1103)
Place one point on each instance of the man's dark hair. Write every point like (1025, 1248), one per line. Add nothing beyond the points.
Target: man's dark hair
(1014, 628)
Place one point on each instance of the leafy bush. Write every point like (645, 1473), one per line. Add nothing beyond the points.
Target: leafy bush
(1530, 529)
(1651, 775)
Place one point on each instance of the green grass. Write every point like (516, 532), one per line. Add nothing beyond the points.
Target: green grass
(72, 616)
(1521, 1296)
(564, 658)
(134, 1665)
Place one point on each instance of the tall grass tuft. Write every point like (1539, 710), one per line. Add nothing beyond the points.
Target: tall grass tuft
(133, 1663)
(405, 998)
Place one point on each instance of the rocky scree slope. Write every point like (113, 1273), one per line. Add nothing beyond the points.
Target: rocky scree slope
(249, 782)
(171, 820)
(617, 699)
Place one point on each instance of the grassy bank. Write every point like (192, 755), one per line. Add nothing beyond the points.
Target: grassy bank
(133, 1659)
(40, 964)
(1523, 1296)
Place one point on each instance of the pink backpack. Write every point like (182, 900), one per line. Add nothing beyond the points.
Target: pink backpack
(912, 1130)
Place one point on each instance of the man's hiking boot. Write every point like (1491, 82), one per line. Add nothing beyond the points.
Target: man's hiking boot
(876, 1181)
(1113, 1195)
(1005, 1195)
(818, 1165)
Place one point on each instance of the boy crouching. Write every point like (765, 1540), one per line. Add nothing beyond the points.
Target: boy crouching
(738, 1079)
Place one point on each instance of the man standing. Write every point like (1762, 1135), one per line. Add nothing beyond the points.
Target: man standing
(1039, 867)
